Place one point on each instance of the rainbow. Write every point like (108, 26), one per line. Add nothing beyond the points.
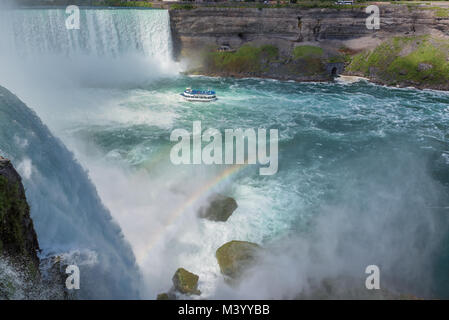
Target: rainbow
(192, 199)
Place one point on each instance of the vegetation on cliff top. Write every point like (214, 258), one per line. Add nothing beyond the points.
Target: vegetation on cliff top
(417, 60)
(180, 6)
(439, 11)
(122, 3)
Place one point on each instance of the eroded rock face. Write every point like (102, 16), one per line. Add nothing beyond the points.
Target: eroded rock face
(54, 276)
(202, 27)
(198, 33)
(220, 208)
(235, 257)
(18, 240)
(19, 263)
(185, 282)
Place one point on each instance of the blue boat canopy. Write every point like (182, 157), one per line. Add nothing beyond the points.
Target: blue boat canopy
(200, 92)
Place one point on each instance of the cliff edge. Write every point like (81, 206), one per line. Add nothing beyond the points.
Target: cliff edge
(18, 239)
(314, 43)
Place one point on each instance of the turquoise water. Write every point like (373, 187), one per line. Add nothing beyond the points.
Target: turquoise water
(363, 175)
(363, 169)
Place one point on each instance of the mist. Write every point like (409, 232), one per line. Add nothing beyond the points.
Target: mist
(389, 211)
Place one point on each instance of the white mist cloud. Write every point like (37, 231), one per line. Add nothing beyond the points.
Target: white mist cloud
(383, 216)
(25, 168)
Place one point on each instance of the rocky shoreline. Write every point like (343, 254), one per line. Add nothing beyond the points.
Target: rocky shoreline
(356, 76)
(372, 77)
(313, 44)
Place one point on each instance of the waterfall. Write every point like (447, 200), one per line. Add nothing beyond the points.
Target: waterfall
(111, 47)
(68, 215)
(39, 57)
(46, 65)
(102, 33)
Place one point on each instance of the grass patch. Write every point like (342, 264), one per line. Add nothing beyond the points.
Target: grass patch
(439, 12)
(121, 3)
(301, 52)
(427, 54)
(424, 61)
(341, 58)
(247, 59)
(179, 6)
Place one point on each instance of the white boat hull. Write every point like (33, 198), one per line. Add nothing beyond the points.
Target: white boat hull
(198, 99)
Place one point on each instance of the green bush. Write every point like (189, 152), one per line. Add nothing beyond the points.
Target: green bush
(246, 59)
(390, 65)
(121, 3)
(301, 52)
(178, 6)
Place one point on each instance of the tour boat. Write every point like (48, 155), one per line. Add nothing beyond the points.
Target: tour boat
(199, 95)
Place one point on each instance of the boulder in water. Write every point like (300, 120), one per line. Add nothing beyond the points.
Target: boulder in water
(186, 282)
(220, 208)
(163, 296)
(235, 256)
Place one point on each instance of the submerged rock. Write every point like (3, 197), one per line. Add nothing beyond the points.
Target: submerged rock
(54, 278)
(235, 256)
(220, 208)
(170, 295)
(163, 296)
(186, 282)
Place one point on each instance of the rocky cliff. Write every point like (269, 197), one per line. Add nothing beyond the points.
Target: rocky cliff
(287, 27)
(18, 240)
(19, 263)
(22, 274)
(295, 42)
